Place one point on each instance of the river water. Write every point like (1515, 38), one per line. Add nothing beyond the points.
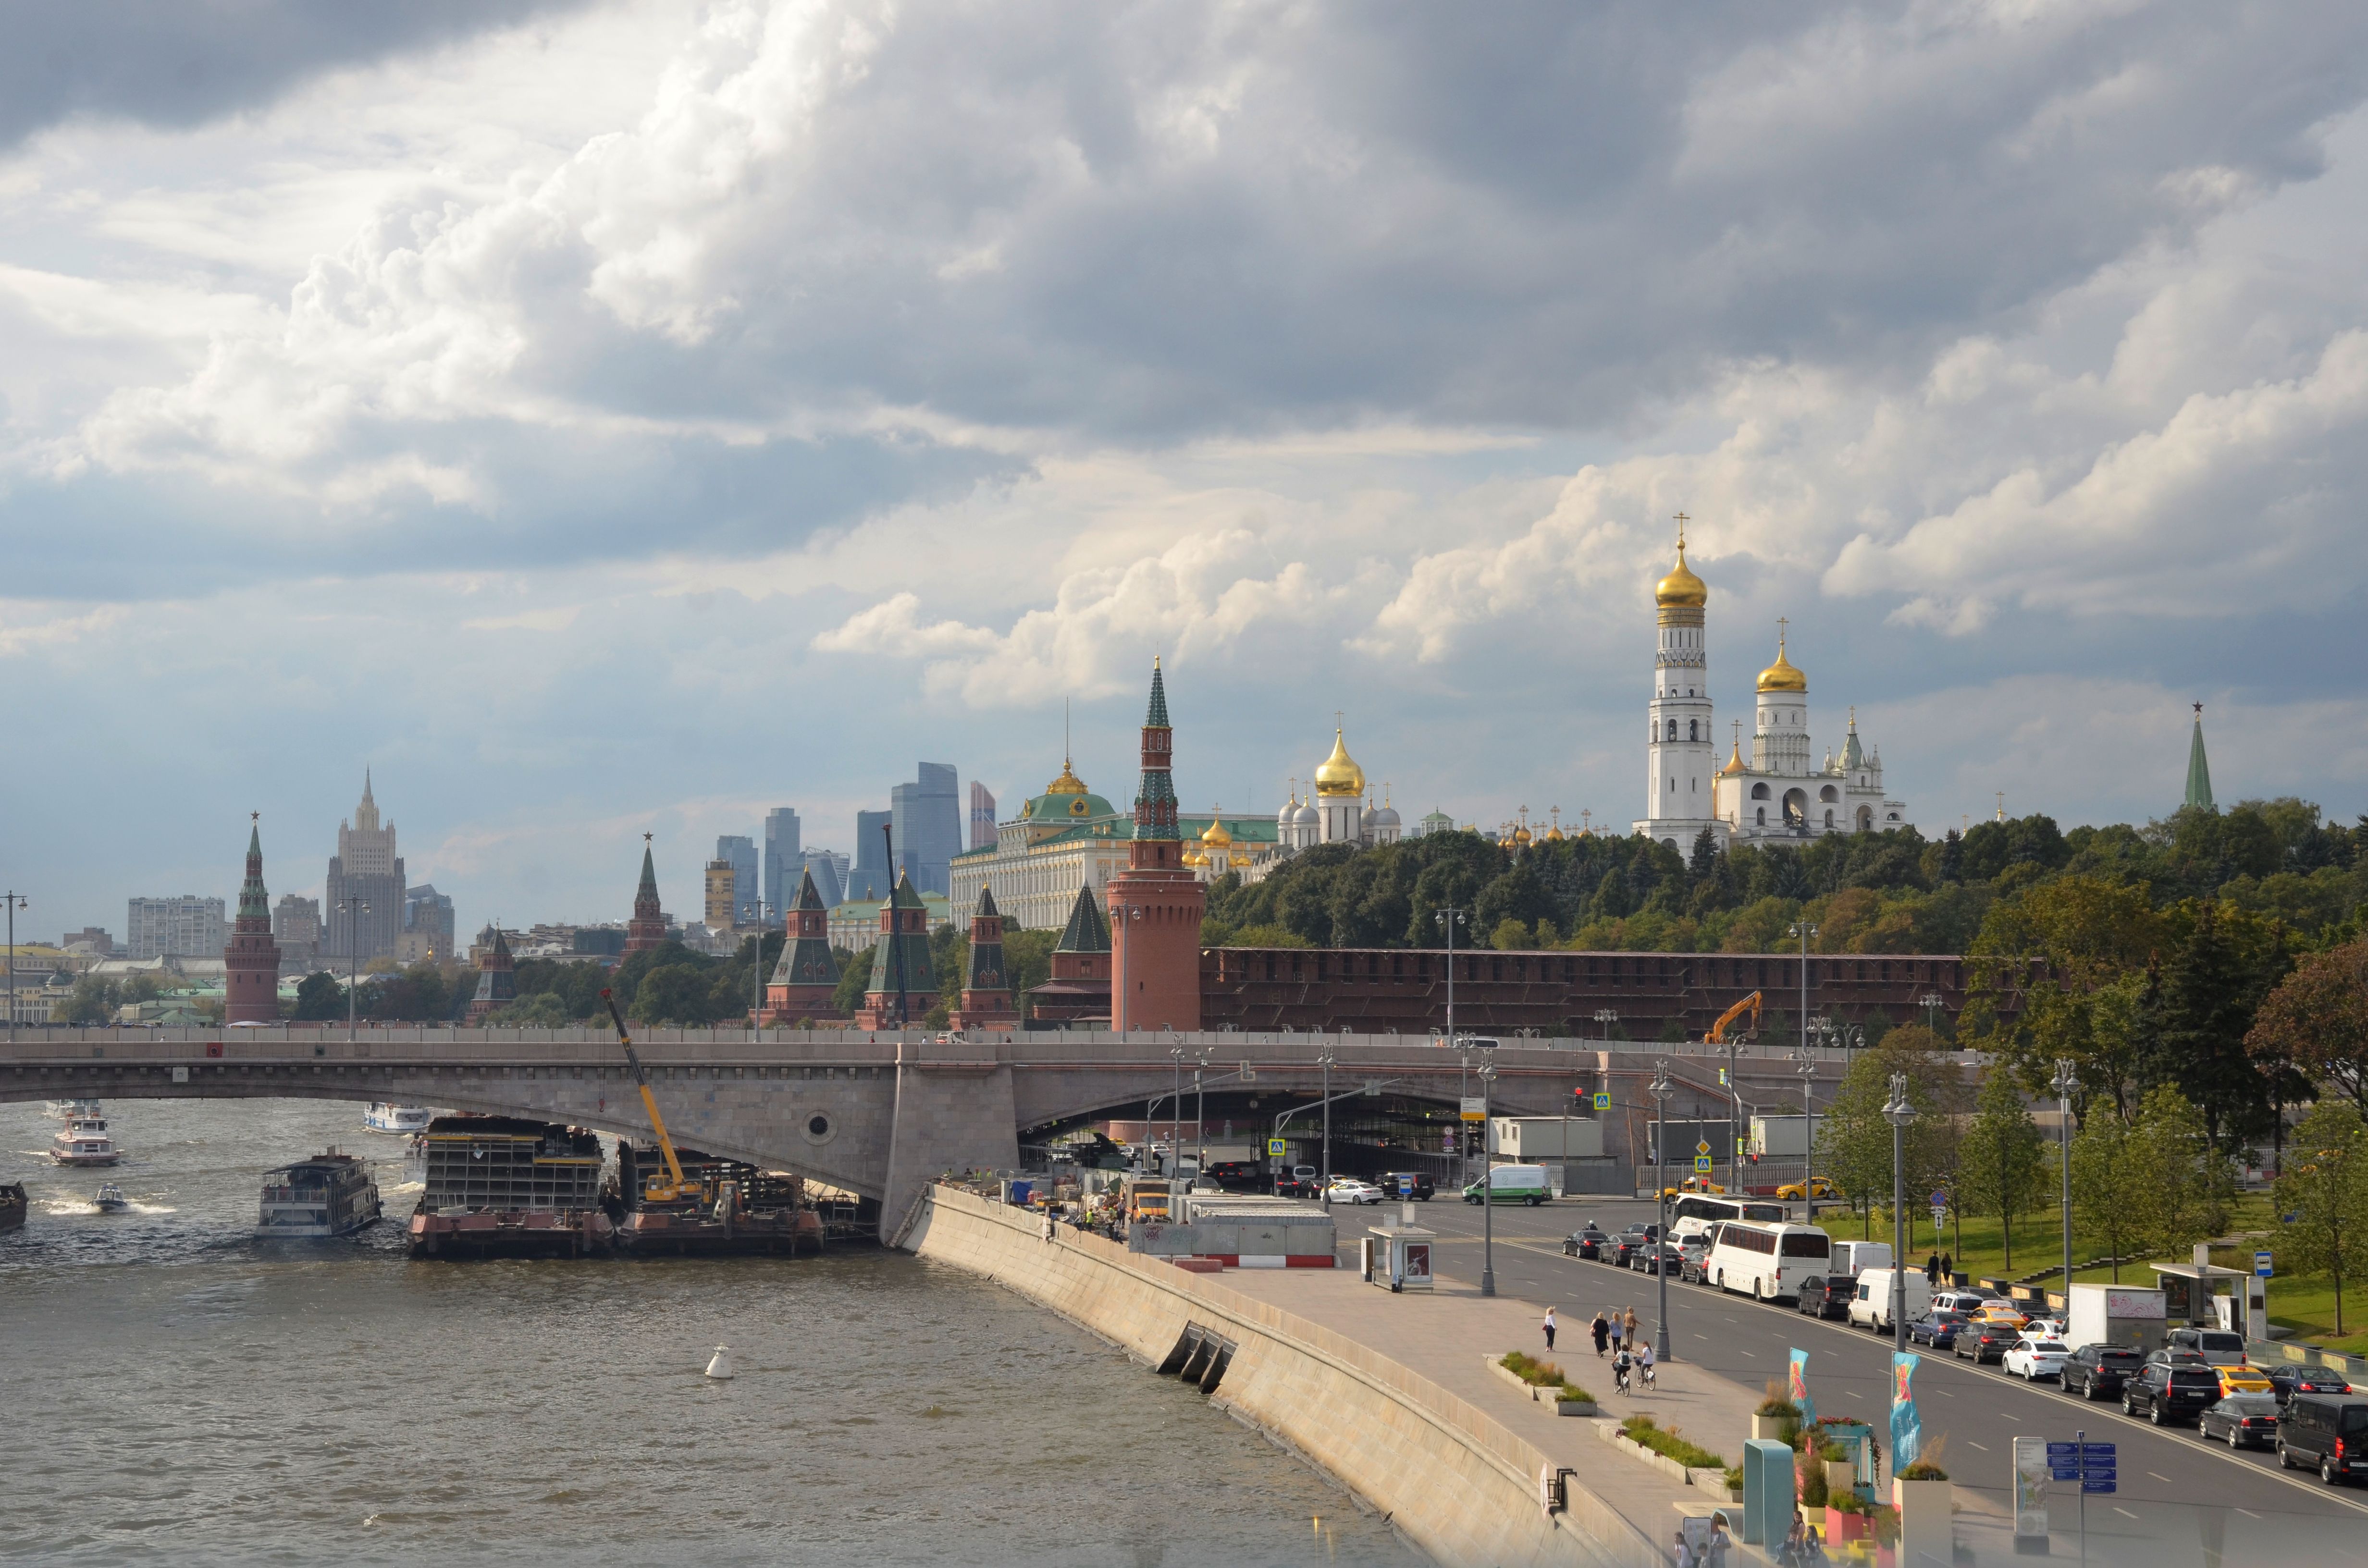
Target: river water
(176, 1392)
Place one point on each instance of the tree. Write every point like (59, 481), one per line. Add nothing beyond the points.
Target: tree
(2316, 1021)
(2325, 1188)
(2195, 1026)
(854, 977)
(675, 994)
(2107, 1186)
(1854, 1138)
(2185, 1185)
(319, 997)
(2001, 1169)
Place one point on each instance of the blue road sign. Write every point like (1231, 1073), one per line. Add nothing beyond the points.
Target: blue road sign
(2261, 1265)
(1602, 1100)
(2058, 1452)
(2104, 1486)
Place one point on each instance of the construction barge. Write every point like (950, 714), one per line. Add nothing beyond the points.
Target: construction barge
(725, 1207)
(506, 1187)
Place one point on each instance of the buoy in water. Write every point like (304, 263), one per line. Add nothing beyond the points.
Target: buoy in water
(721, 1367)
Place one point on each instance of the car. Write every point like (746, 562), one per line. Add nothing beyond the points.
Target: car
(1420, 1186)
(1695, 1269)
(2244, 1379)
(1997, 1316)
(1983, 1340)
(2165, 1392)
(2034, 1357)
(1937, 1329)
(1792, 1189)
(1663, 1257)
(2050, 1323)
(2241, 1420)
(1628, 1242)
(1587, 1242)
(2287, 1379)
(2328, 1431)
(2094, 1371)
(1825, 1296)
(2217, 1346)
(1349, 1190)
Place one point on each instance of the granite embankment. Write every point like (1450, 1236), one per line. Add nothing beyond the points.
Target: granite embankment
(1457, 1482)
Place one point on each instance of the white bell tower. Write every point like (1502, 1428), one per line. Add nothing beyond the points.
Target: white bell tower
(1681, 755)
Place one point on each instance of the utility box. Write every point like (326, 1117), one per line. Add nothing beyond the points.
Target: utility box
(2129, 1317)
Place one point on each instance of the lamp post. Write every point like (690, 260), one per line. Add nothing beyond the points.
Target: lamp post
(1487, 1180)
(1932, 1002)
(1201, 1115)
(1806, 1066)
(2066, 1082)
(15, 901)
(755, 911)
(1324, 1059)
(1176, 1124)
(1449, 919)
(353, 909)
(1803, 930)
(1899, 1113)
(1662, 1090)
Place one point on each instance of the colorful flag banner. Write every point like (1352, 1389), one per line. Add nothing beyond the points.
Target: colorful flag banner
(1800, 1390)
(1906, 1426)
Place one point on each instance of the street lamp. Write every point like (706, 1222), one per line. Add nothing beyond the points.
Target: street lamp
(1662, 1089)
(2066, 1083)
(1449, 919)
(1932, 1002)
(755, 911)
(1201, 1115)
(1806, 1066)
(15, 901)
(1803, 930)
(1899, 1113)
(1325, 1059)
(1175, 1126)
(1487, 1180)
(353, 909)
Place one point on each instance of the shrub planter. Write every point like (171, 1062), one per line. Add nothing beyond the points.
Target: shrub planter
(1841, 1529)
(1611, 1433)
(1925, 1509)
(1774, 1429)
(1497, 1365)
(1576, 1407)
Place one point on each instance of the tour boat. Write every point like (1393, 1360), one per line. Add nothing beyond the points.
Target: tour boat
(111, 1199)
(85, 1142)
(328, 1195)
(68, 1111)
(385, 1117)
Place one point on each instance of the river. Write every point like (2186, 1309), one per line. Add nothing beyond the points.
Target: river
(179, 1393)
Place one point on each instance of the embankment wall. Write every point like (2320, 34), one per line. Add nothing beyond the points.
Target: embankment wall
(1458, 1484)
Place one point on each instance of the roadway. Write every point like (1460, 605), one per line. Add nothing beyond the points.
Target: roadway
(2178, 1496)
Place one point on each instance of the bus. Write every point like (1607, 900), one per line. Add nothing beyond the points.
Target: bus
(1767, 1261)
(1697, 1212)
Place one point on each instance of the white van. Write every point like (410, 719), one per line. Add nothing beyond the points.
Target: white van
(1512, 1184)
(1871, 1308)
(1856, 1257)
(1768, 1262)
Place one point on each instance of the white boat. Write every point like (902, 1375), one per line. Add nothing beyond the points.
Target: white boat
(85, 1142)
(386, 1117)
(111, 1199)
(328, 1195)
(67, 1111)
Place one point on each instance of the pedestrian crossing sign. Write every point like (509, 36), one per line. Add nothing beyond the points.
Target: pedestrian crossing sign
(1276, 1147)
(1702, 1163)
(1602, 1100)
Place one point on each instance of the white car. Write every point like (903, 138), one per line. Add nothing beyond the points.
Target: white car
(2033, 1357)
(1345, 1189)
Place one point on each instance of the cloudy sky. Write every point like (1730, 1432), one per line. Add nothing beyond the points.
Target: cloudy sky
(609, 417)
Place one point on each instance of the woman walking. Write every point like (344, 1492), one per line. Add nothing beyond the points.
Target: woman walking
(1615, 1333)
(1602, 1329)
(1631, 1326)
(1549, 1326)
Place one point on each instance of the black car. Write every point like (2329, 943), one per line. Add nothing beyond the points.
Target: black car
(2325, 1430)
(1416, 1185)
(1826, 1298)
(1985, 1342)
(1624, 1246)
(2095, 1371)
(1660, 1258)
(2164, 1391)
(1587, 1241)
(1938, 1330)
(2241, 1420)
(2287, 1379)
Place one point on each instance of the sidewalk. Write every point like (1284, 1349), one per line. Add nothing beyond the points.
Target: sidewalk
(1446, 1336)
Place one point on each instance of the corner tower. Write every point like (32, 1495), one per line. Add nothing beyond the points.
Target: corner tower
(1680, 757)
(251, 962)
(1155, 904)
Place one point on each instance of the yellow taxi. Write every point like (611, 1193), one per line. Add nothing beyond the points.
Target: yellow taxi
(1792, 1189)
(2243, 1379)
(2006, 1317)
(1693, 1184)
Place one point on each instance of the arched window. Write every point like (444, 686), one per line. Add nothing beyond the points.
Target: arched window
(1693, 729)
(1759, 793)
(1673, 728)
(1829, 793)
(1762, 815)
(1829, 816)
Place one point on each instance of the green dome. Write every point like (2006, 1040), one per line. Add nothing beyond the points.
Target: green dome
(1066, 808)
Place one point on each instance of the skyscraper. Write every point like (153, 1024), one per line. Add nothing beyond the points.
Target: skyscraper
(427, 918)
(928, 814)
(869, 876)
(981, 816)
(364, 900)
(739, 851)
(828, 869)
(296, 927)
(784, 859)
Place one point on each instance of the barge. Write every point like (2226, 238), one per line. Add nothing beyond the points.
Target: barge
(734, 1208)
(329, 1195)
(506, 1187)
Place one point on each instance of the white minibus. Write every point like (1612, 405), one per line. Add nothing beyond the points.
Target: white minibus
(1768, 1262)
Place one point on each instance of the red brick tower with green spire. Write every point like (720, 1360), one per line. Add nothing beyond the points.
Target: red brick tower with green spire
(646, 932)
(251, 962)
(986, 986)
(1155, 904)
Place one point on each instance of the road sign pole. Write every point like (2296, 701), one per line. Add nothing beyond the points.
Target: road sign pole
(2080, 1439)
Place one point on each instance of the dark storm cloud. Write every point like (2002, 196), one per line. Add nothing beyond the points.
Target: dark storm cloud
(188, 61)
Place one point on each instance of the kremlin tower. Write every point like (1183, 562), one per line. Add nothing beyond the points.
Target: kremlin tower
(805, 982)
(646, 932)
(1155, 904)
(987, 989)
(496, 978)
(251, 963)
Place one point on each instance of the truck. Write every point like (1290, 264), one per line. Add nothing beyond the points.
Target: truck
(2130, 1317)
(1780, 1137)
(1851, 1258)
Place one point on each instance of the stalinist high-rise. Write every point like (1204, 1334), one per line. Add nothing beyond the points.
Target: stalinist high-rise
(365, 871)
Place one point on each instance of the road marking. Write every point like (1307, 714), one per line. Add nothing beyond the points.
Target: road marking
(1947, 1392)
(1971, 1444)
(1706, 1337)
(2016, 1419)
(2158, 1476)
(1853, 1393)
(1753, 1354)
(2246, 1512)
(2123, 1512)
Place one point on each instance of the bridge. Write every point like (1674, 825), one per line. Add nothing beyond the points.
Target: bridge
(876, 1114)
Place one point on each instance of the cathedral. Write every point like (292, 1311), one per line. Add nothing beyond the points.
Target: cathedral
(1339, 810)
(1780, 795)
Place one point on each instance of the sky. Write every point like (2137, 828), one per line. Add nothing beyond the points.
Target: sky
(600, 418)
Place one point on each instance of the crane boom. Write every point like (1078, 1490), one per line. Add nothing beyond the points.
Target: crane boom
(1718, 1030)
(678, 1184)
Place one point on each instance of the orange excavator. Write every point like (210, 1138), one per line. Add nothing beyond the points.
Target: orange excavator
(1749, 1004)
(673, 1186)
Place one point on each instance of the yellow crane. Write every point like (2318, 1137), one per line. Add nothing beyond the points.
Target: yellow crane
(675, 1186)
(1749, 1004)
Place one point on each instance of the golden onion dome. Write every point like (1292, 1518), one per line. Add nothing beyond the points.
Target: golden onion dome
(1068, 784)
(1340, 775)
(1735, 763)
(1681, 588)
(1784, 675)
(1217, 837)
(1522, 836)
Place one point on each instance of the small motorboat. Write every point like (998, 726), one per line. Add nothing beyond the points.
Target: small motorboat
(110, 1199)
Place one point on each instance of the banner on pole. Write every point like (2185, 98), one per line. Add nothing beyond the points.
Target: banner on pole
(1906, 1426)
(1800, 1389)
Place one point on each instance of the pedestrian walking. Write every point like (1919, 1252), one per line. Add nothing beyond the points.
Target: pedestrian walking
(1645, 1360)
(1947, 1271)
(1719, 1541)
(1682, 1554)
(1631, 1326)
(1615, 1332)
(1550, 1330)
(1602, 1329)
(1932, 1269)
